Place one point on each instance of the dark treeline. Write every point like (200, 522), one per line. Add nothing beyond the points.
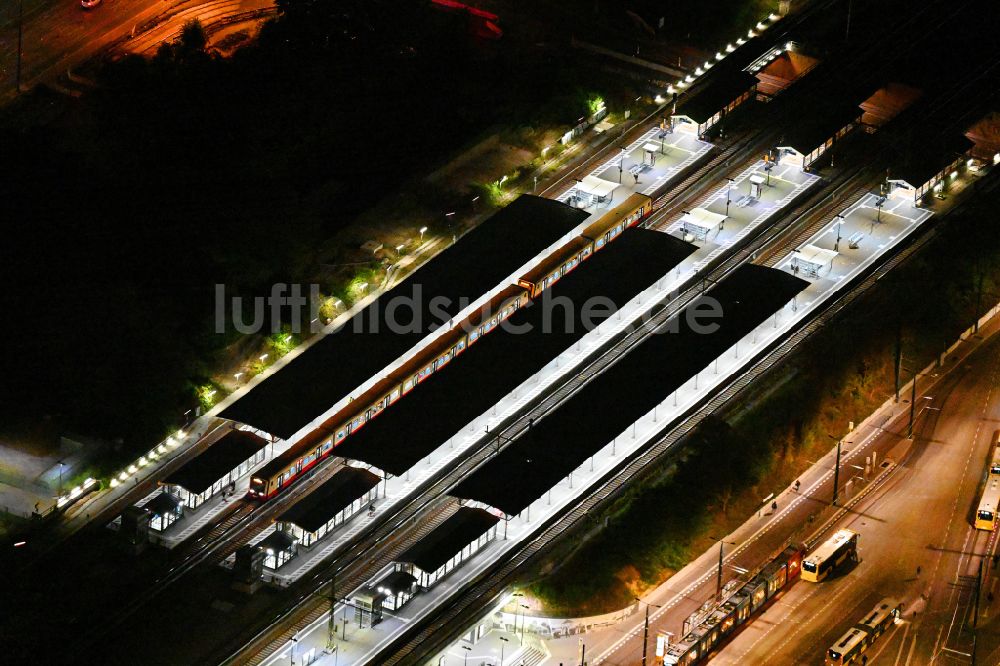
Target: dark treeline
(124, 208)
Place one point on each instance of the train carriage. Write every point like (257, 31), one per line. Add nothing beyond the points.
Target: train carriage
(305, 454)
(697, 645)
(853, 643)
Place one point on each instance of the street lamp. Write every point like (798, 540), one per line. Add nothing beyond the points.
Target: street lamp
(295, 642)
(836, 467)
(645, 629)
(840, 223)
(718, 581)
(422, 230)
(503, 643)
(449, 217)
(467, 651)
(729, 191)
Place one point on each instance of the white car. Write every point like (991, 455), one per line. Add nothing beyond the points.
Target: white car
(88, 4)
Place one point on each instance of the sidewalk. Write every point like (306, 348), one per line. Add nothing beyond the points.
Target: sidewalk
(682, 590)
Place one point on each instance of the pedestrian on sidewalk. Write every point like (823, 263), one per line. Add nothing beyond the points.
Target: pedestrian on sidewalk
(797, 484)
(774, 506)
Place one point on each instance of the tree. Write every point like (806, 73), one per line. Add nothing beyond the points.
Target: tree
(193, 37)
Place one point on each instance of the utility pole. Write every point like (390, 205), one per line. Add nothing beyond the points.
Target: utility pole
(718, 580)
(913, 406)
(645, 636)
(836, 469)
(898, 351)
(979, 295)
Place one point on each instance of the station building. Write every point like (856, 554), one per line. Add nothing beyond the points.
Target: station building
(278, 548)
(886, 103)
(928, 166)
(163, 510)
(329, 506)
(776, 75)
(724, 92)
(985, 134)
(218, 468)
(448, 545)
(815, 132)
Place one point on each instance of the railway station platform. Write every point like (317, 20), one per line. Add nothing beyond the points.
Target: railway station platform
(644, 166)
(217, 470)
(754, 196)
(482, 387)
(648, 427)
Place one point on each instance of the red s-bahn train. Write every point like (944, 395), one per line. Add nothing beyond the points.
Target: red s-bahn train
(303, 456)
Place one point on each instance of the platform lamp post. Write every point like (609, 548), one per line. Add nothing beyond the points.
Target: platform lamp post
(503, 644)
(467, 651)
(729, 192)
(645, 629)
(291, 653)
(840, 224)
(450, 218)
(621, 165)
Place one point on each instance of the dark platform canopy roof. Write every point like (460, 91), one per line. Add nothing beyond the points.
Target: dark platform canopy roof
(812, 128)
(277, 541)
(493, 367)
(928, 156)
(335, 495)
(629, 389)
(162, 504)
(222, 457)
(327, 371)
(397, 581)
(722, 88)
(449, 538)
(726, 81)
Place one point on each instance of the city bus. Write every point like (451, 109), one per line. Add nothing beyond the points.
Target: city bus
(858, 638)
(986, 513)
(835, 551)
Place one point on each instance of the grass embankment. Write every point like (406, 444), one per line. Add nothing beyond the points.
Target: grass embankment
(842, 374)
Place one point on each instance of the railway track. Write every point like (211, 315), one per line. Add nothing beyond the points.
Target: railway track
(434, 497)
(225, 539)
(488, 590)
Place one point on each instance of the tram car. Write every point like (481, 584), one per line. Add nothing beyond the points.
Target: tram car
(737, 610)
(860, 637)
(304, 455)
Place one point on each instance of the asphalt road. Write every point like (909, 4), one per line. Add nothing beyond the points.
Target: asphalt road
(921, 518)
(59, 34)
